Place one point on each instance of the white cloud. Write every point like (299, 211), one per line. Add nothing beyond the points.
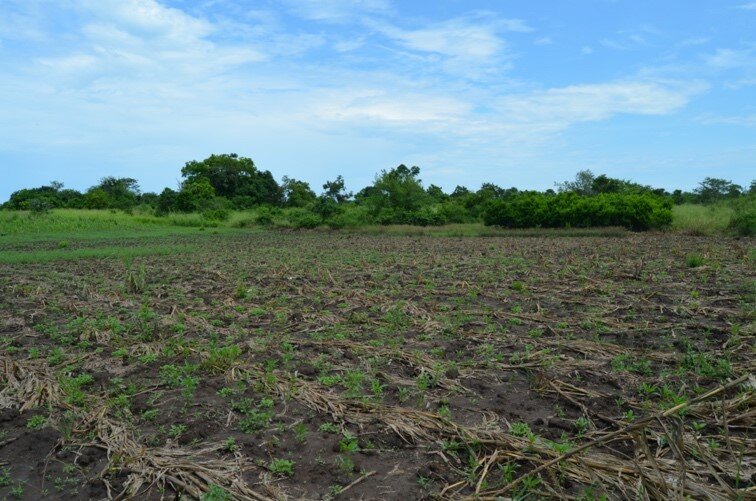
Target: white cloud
(337, 10)
(378, 105)
(559, 108)
(748, 6)
(731, 58)
(150, 18)
(469, 46)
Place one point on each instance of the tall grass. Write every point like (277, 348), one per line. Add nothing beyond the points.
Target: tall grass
(701, 219)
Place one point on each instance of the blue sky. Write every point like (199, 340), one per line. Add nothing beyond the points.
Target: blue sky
(519, 93)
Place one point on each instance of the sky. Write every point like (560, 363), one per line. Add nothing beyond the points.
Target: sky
(516, 92)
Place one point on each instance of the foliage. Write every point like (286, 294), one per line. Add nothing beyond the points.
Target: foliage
(743, 220)
(531, 209)
(236, 178)
(336, 190)
(296, 193)
(714, 189)
(394, 195)
(214, 187)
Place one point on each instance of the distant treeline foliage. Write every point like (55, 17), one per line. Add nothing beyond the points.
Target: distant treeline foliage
(222, 183)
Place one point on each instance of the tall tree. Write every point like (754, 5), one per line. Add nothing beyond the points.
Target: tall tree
(336, 190)
(296, 193)
(232, 176)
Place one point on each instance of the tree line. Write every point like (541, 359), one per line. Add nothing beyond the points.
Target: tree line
(221, 183)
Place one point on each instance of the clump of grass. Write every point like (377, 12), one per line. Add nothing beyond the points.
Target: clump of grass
(283, 467)
(694, 260)
(136, 278)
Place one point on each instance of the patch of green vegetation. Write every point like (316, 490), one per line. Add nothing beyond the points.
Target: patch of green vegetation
(698, 219)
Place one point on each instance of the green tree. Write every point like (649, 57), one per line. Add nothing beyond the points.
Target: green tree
(436, 193)
(714, 189)
(96, 198)
(50, 196)
(336, 190)
(195, 195)
(296, 193)
(582, 184)
(398, 189)
(236, 178)
(112, 193)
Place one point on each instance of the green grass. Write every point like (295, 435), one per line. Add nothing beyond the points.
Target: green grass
(701, 219)
(88, 221)
(46, 256)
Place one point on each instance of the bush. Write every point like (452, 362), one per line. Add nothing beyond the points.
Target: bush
(302, 218)
(264, 217)
(351, 217)
(532, 210)
(39, 205)
(427, 216)
(216, 214)
(743, 220)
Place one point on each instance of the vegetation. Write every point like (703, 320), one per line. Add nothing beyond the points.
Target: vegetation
(237, 364)
(214, 188)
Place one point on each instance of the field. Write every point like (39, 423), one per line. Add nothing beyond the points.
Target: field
(250, 364)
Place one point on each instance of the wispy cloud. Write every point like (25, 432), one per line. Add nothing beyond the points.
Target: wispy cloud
(731, 58)
(468, 45)
(558, 108)
(748, 6)
(337, 10)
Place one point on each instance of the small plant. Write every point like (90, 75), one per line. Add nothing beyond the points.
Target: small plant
(17, 491)
(300, 432)
(283, 467)
(694, 260)
(520, 429)
(136, 279)
(328, 428)
(241, 291)
(216, 493)
(349, 444)
(5, 478)
(230, 445)
(176, 430)
(582, 423)
(36, 422)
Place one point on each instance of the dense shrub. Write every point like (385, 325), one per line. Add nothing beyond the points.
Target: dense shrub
(531, 210)
(427, 216)
(743, 220)
(302, 218)
(350, 216)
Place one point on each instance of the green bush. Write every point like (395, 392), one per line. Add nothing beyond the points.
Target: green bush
(533, 210)
(302, 218)
(427, 216)
(743, 220)
(216, 214)
(351, 217)
(264, 216)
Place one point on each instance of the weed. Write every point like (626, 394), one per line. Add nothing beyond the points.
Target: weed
(176, 430)
(694, 260)
(216, 493)
(283, 467)
(36, 422)
(328, 428)
(5, 477)
(230, 445)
